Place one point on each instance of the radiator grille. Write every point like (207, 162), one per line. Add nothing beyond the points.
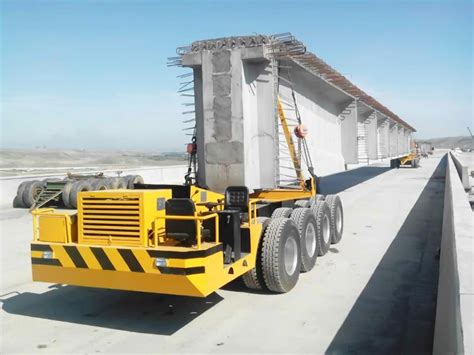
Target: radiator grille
(107, 219)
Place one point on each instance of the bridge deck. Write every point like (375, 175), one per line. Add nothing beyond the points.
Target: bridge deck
(373, 292)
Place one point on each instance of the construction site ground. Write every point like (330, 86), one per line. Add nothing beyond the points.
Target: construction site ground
(375, 292)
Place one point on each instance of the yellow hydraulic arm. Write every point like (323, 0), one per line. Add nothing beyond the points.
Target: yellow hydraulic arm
(289, 141)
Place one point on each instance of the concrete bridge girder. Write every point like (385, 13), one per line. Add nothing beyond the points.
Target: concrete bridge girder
(364, 131)
(323, 110)
(239, 137)
(393, 138)
(349, 139)
(383, 136)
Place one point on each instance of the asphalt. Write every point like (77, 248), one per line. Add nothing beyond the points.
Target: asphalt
(374, 292)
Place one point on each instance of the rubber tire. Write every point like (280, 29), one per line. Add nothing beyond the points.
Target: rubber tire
(112, 183)
(121, 183)
(302, 204)
(78, 186)
(282, 212)
(274, 273)
(66, 193)
(334, 202)
(29, 193)
(253, 279)
(320, 210)
(19, 195)
(302, 218)
(315, 199)
(18, 202)
(134, 179)
(98, 185)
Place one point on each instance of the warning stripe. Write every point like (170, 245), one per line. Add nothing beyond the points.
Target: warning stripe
(41, 261)
(76, 257)
(104, 259)
(131, 260)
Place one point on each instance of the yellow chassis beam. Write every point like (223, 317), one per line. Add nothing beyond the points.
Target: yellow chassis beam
(168, 270)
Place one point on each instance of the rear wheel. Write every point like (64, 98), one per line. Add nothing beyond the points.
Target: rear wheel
(306, 224)
(282, 212)
(78, 186)
(336, 213)
(314, 199)
(31, 192)
(323, 223)
(281, 255)
(254, 278)
(301, 203)
(66, 193)
(98, 184)
(18, 201)
(121, 183)
(112, 183)
(132, 180)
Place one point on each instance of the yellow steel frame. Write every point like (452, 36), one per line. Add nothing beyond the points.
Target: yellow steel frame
(289, 141)
(198, 220)
(212, 272)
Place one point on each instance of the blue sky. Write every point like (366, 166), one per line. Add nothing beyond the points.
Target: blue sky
(93, 74)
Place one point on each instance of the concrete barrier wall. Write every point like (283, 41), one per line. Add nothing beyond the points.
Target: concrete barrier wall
(158, 174)
(454, 310)
(463, 172)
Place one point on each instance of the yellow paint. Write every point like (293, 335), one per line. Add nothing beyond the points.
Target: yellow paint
(116, 259)
(60, 253)
(89, 258)
(290, 143)
(133, 221)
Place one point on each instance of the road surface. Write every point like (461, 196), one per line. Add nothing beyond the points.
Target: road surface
(373, 292)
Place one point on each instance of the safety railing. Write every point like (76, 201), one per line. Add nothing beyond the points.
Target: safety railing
(199, 219)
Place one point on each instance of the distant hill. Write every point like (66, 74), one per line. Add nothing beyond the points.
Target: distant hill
(451, 142)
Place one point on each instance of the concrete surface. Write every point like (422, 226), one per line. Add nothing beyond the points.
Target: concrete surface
(151, 175)
(375, 292)
(467, 159)
(454, 330)
(462, 170)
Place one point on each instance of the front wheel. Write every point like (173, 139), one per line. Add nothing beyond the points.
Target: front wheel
(281, 255)
(253, 279)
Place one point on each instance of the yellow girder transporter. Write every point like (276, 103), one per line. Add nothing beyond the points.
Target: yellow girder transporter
(187, 240)
(412, 159)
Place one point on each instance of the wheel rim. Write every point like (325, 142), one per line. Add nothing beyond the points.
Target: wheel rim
(310, 239)
(326, 229)
(36, 192)
(290, 255)
(339, 219)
